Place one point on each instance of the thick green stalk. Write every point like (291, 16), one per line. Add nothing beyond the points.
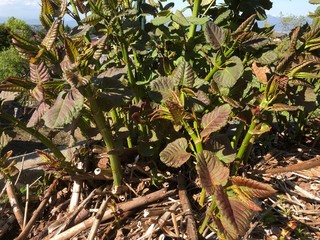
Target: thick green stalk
(236, 137)
(196, 140)
(246, 145)
(195, 12)
(106, 133)
(43, 139)
(207, 218)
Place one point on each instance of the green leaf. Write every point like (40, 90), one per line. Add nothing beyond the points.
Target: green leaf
(157, 21)
(180, 19)
(267, 58)
(197, 21)
(184, 74)
(223, 16)
(252, 188)
(51, 35)
(211, 171)
(66, 107)
(314, 1)
(214, 35)
(92, 19)
(228, 76)
(207, 2)
(175, 154)
(215, 120)
(222, 147)
(227, 216)
(71, 49)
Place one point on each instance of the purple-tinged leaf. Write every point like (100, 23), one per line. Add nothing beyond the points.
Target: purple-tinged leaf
(39, 72)
(165, 86)
(214, 35)
(184, 74)
(38, 114)
(227, 216)
(252, 188)
(279, 107)
(66, 107)
(37, 93)
(211, 171)
(175, 154)
(215, 120)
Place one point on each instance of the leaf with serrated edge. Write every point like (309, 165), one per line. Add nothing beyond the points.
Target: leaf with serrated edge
(180, 19)
(37, 114)
(214, 35)
(39, 72)
(51, 35)
(211, 171)
(215, 120)
(227, 217)
(66, 107)
(175, 154)
(242, 215)
(253, 188)
(184, 74)
(164, 85)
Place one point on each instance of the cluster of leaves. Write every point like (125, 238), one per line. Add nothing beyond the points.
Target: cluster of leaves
(170, 87)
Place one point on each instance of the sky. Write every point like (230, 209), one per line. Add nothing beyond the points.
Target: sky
(30, 9)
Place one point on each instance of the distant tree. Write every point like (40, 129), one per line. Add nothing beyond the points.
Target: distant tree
(67, 28)
(19, 27)
(290, 22)
(4, 37)
(11, 64)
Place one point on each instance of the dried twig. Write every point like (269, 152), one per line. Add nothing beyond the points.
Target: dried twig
(26, 207)
(76, 190)
(98, 217)
(16, 207)
(137, 202)
(186, 207)
(303, 192)
(36, 214)
(305, 165)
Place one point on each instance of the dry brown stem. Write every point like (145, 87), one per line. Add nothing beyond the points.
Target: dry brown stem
(37, 213)
(127, 206)
(16, 207)
(186, 207)
(5, 228)
(305, 165)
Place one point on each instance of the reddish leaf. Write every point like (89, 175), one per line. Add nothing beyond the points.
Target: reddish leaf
(260, 72)
(37, 93)
(215, 120)
(211, 171)
(214, 35)
(227, 217)
(175, 154)
(253, 188)
(37, 114)
(51, 35)
(39, 72)
(66, 107)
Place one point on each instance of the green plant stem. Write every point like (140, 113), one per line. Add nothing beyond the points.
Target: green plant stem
(246, 145)
(196, 140)
(43, 139)
(236, 137)
(106, 133)
(219, 63)
(195, 12)
(206, 219)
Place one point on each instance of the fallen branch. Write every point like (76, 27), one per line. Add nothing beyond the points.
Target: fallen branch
(127, 206)
(305, 165)
(187, 210)
(37, 213)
